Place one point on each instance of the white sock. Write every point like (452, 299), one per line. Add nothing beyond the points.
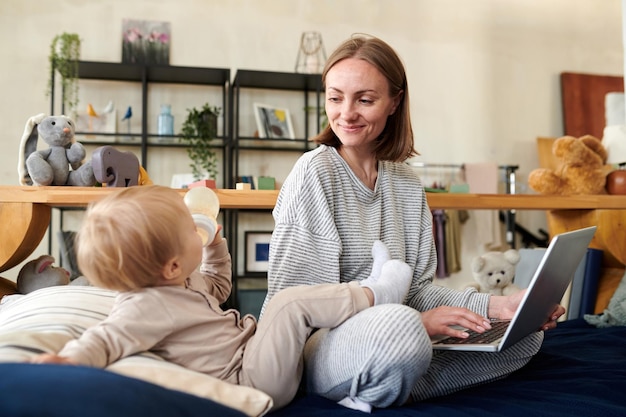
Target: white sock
(356, 404)
(380, 254)
(393, 284)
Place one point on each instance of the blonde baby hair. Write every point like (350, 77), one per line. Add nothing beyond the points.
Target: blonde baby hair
(127, 238)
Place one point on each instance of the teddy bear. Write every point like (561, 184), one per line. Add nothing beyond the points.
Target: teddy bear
(52, 166)
(582, 169)
(494, 272)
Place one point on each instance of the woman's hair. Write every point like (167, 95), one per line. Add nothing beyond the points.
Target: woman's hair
(127, 238)
(395, 143)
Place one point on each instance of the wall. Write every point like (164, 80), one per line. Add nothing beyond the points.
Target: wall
(483, 74)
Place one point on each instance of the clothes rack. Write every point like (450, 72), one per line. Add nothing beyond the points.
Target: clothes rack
(510, 188)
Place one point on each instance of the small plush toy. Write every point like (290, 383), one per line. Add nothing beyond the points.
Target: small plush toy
(615, 313)
(494, 272)
(115, 168)
(582, 168)
(41, 273)
(52, 166)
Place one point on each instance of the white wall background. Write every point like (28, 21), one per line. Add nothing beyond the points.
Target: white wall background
(483, 74)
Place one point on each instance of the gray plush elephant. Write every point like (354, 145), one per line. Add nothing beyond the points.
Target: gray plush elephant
(115, 168)
(60, 164)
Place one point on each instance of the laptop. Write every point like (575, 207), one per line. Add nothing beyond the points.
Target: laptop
(544, 293)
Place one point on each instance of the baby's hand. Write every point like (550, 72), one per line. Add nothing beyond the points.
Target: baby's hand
(218, 237)
(51, 358)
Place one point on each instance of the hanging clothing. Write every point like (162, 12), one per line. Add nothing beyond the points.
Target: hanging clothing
(454, 221)
(483, 179)
(439, 225)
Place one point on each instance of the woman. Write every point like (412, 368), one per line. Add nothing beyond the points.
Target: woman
(355, 189)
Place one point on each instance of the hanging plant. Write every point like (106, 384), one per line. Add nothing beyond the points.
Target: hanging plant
(63, 58)
(198, 131)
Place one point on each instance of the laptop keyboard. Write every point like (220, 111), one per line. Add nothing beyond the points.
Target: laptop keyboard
(498, 328)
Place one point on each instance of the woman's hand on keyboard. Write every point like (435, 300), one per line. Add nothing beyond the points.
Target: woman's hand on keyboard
(438, 321)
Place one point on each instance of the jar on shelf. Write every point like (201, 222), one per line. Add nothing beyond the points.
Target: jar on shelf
(166, 121)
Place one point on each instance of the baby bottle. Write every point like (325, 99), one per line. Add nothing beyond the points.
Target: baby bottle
(204, 206)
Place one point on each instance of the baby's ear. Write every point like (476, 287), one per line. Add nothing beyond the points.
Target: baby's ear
(171, 270)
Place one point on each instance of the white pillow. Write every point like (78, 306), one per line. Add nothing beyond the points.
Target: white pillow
(157, 371)
(44, 320)
(66, 309)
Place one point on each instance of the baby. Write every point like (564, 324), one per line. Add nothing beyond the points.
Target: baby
(142, 242)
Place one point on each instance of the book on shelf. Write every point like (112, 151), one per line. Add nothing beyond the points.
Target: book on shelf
(258, 183)
(247, 179)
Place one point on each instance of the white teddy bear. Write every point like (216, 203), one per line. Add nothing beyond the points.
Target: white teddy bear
(494, 272)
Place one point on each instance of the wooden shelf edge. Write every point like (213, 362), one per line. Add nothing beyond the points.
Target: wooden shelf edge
(524, 201)
(82, 196)
(266, 199)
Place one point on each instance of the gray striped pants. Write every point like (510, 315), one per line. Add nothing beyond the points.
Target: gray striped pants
(383, 356)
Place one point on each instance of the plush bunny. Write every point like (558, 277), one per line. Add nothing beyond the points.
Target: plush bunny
(40, 273)
(52, 166)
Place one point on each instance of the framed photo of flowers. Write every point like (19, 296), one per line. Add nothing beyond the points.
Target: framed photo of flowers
(273, 122)
(145, 42)
(257, 252)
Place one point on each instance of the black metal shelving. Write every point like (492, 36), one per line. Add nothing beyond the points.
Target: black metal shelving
(229, 139)
(244, 80)
(146, 75)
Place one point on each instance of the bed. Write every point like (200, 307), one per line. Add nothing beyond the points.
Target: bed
(580, 371)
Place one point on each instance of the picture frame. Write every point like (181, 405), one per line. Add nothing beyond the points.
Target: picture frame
(146, 42)
(256, 251)
(273, 122)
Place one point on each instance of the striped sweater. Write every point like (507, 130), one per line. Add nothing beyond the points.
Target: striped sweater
(326, 221)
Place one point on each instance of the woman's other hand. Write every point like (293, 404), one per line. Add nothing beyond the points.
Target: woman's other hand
(504, 308)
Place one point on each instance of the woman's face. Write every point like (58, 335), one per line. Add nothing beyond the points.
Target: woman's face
(357, 101)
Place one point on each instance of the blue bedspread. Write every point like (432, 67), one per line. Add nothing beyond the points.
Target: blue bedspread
(580, 371)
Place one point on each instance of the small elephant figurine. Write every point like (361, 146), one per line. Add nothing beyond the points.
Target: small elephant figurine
(52, 166)
(115, 168)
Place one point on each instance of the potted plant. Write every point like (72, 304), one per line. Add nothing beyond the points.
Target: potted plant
(63, 58)
(198, 131)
